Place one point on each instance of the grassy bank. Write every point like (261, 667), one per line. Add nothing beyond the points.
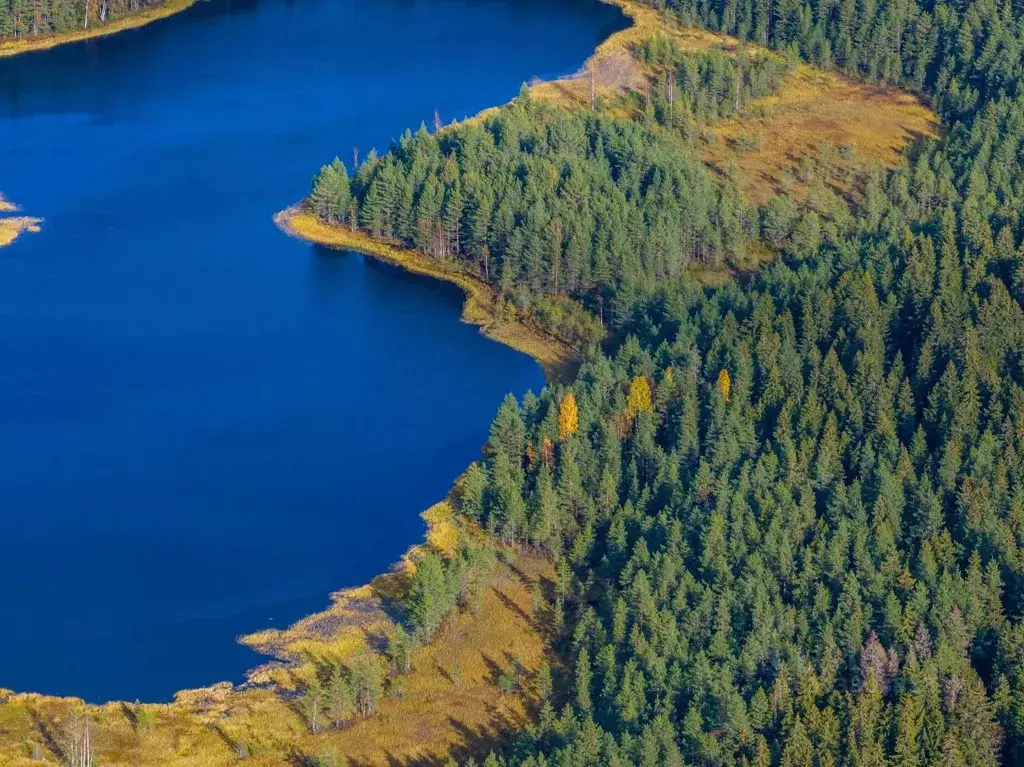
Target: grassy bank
(138, 19)
(449, 702)
(482, 307)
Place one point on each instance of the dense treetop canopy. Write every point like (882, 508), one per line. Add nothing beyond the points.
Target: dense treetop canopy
(33, 18)
(788, 516)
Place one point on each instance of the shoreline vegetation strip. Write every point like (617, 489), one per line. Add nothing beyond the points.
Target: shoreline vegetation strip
(556, 357)
(131, 21)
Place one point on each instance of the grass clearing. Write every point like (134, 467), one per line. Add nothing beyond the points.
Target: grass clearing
(450, 703)
(810, 107)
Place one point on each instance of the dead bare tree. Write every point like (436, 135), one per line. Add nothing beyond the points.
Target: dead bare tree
(79, 749)
(671, 96)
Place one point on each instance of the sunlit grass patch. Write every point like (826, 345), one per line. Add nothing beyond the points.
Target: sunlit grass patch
(871, 125)
(451, 703)
(769, 138)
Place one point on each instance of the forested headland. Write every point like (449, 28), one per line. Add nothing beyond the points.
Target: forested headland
(776, 518)
(785, 510)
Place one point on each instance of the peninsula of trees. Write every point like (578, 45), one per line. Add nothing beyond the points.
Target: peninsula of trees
(786, 512)
(777, 517)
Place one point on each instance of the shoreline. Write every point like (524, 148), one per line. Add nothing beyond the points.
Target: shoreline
(354, 612)
(343, 623)
(557, 358)
(447, 690)
(140, 19)
(350, 609)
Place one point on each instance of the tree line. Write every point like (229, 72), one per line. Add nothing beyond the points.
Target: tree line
(34, 18)
(787, 513)
(542, 202)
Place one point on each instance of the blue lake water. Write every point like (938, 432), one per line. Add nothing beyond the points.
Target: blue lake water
(206, 426)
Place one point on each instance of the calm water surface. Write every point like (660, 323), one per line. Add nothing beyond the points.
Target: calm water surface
(204, 425)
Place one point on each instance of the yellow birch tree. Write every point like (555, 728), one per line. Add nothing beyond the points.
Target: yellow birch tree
(639, 399)
(568, 417)
(724, 384)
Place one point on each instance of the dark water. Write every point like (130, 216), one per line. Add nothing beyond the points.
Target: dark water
(205, 426)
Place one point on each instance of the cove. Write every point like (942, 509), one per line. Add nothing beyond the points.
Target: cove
(206, 426)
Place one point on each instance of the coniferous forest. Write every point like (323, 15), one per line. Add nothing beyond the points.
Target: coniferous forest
(32, 18)
(787, 512)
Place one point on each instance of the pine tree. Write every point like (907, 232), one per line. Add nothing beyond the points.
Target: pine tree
(428, 597)
(340, 705)
(582, 681)
(313, 705)
(367, 684)
(400, 648)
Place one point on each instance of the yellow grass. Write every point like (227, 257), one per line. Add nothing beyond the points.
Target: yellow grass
(450, 703)
(614, 61)
(357, 618)
(138, 19)
(811, 106)
(557, 358)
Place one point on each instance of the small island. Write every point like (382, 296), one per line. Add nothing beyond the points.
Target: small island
(13, 225)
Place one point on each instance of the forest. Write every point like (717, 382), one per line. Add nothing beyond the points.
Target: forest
(32, 18)
(786, 511)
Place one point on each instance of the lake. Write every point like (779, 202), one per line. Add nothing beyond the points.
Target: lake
(206, 426)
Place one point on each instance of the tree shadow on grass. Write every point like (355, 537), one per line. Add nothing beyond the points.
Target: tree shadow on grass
(48, 735)
(512, 606)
